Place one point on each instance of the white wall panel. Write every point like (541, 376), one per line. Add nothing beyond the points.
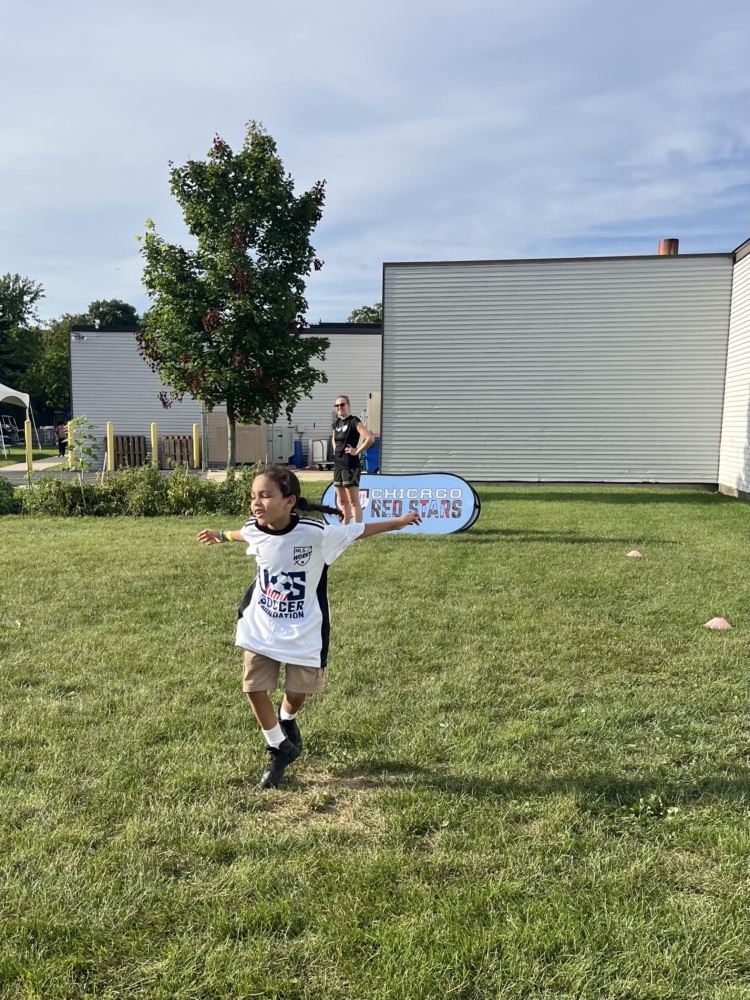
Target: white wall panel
(734, 457)
(601, 370)
(111, 381)
(352, 365)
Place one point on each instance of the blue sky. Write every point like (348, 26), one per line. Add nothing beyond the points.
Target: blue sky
(483, 129)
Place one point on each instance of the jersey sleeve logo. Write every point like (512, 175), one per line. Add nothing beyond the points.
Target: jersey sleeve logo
(302, 554)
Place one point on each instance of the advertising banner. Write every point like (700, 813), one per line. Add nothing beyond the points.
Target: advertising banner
(445, 503)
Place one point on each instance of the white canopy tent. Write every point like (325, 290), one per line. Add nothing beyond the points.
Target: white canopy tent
(16, 398)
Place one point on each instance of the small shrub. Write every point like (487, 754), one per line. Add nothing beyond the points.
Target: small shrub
(144, 490)
(82, 449)
(9, 502)
(234, 493)
(187, 494)
(57, 497)
(106, 501)
(137, 492)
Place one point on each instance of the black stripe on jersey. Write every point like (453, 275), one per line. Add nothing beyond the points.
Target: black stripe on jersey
(250, 524)
(313, 521)
(325, 626)
(245, 602)
(280, 531)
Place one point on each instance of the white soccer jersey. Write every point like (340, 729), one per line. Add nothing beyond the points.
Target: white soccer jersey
(284, 614)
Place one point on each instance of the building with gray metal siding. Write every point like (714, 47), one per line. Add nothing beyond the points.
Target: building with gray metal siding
(734, 456)
(563, 370)
(111, 381)
(352, 366)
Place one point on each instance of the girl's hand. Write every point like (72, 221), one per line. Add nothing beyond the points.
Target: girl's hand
(406, 519)
(349, 450)
(209, 537)
(394, 524)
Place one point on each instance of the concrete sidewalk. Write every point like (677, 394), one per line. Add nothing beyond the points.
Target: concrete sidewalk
(304, 475)
(40, 464)
(17, 471)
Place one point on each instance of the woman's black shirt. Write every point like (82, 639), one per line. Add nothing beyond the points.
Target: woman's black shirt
(345, 434)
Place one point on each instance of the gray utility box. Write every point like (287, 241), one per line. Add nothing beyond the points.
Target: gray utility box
(320, 454)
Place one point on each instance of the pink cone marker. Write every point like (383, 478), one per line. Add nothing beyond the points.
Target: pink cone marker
(717, 623)
(635, 554)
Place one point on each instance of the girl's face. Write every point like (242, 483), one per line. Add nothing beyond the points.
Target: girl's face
(269, 507)
(342, 407)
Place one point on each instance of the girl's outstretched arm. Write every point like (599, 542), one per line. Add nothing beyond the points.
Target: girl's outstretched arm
(395, 524)
(211, 537)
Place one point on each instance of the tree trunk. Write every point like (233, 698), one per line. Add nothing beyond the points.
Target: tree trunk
(231, 442)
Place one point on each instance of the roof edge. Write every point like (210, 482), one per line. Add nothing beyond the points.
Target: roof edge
(551, 260)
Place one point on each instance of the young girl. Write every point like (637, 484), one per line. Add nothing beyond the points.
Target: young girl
(283, 617)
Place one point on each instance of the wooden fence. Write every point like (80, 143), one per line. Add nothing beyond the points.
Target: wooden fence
(177, 449)
(251, 441)
(130, 450)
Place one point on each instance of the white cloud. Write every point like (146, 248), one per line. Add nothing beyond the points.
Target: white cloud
(488, 129)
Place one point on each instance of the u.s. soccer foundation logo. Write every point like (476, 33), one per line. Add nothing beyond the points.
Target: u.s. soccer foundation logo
(364, 498)
(302, 554)
(282, 595)
(280, 586)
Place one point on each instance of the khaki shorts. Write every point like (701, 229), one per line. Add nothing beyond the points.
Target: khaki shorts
(346, 478)
(261, 673)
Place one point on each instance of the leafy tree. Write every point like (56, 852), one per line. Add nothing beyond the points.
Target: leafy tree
(226, 317)
(20, 341)
(111, 312)
(35, 359)
(367, 314)
(47, 379)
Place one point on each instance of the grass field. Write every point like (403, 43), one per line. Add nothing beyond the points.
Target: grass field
(526, 780)
(16, 455)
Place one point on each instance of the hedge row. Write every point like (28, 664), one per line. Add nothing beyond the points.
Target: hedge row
(139, 492)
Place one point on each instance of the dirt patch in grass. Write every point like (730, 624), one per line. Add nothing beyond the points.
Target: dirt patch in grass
(323, 800)
(691, 872)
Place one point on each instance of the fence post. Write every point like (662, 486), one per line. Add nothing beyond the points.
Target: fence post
(71, 446)
(110, 446)
(29, 445)
(154, 447)
(196, 446)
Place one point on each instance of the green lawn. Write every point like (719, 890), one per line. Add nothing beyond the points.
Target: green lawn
(16, 455)
(526, 780)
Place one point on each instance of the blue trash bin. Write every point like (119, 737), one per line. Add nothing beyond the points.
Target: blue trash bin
(372, 456)
(296, 458)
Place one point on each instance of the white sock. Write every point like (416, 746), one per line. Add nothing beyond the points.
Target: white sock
(274, 737)
(286, 716)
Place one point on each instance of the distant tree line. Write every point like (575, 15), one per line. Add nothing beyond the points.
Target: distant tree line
(226, 319)
(367, 314)
(34, 353)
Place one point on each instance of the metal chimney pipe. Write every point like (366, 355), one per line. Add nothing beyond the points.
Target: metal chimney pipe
(669, 248)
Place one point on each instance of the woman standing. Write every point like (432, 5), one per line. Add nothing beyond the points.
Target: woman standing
(347, 447)
(61, 436)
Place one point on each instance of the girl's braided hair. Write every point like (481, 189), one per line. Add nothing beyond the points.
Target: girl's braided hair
(289, 485)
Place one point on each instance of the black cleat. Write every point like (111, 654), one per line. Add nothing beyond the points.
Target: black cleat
(278, 760)
(291, 730)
